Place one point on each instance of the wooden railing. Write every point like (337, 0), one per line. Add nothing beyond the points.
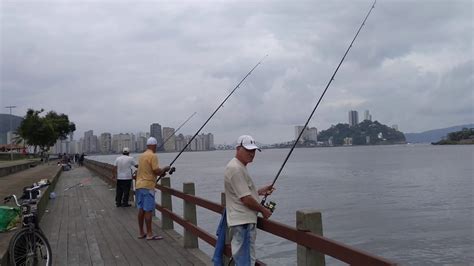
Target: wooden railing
(311, 246)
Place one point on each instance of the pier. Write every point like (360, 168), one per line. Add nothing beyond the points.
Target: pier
(84, 227)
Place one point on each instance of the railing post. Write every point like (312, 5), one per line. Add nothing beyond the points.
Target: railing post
(166, 202)
(189, 214)
(309, 220)
(227, 233)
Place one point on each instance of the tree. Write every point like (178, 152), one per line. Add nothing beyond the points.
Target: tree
(43, 132)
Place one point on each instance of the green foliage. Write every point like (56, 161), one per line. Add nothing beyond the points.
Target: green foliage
(44, 131)
(465, 133)
(465, 136)
(360, 132)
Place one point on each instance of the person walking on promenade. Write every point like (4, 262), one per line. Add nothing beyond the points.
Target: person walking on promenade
(242, 202)
(148, 170)
(81, 159)
(122, 172)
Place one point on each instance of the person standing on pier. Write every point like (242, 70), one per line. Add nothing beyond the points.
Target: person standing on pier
(242, 202)
(122, 172)
(148, 170)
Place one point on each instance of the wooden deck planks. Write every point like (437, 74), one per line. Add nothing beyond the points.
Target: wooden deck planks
(85, 228)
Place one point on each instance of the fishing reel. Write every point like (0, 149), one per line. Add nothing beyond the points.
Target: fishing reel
(270, 205)
(172, 169)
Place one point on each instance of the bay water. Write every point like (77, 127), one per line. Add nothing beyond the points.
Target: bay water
(412, 204)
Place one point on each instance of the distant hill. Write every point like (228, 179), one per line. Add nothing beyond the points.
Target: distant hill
(5, 122)
(433, 135)
(5, 125)
(365, 133)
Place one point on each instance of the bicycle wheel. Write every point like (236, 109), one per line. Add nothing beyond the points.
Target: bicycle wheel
(29, 247)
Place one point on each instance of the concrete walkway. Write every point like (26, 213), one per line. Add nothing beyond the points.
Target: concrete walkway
(85, 228)
(17, 162)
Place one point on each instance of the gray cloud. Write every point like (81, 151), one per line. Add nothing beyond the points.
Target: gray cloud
(118, 66)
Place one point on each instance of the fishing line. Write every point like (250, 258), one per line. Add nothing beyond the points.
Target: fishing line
(176, 131)
(215, 111)
(319, 101)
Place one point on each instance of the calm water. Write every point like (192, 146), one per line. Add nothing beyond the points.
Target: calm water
(412, 204)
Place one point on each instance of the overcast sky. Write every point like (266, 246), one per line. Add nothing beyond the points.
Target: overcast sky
(118, 66)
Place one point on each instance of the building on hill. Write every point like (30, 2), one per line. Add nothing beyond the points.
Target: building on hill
(353, 118)
(367, 115)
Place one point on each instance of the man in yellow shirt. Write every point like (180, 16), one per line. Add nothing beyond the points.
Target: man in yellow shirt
(148, 170)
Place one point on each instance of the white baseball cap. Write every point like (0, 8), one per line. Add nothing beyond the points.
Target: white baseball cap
(247, 142)
(126, 150)
(151, 141)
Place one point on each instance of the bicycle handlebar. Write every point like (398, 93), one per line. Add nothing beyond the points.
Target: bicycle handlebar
(8, 198)
(30, 190)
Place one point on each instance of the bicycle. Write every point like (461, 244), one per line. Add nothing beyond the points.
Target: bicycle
(29, 246)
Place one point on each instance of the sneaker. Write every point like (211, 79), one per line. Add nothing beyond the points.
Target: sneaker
(126, 205)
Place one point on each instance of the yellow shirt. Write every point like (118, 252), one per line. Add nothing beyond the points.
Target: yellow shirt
(147, 163)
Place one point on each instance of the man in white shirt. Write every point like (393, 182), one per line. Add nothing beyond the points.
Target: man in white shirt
(242, 202)
(123, 173)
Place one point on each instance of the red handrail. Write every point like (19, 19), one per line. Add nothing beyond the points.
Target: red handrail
(321, 244)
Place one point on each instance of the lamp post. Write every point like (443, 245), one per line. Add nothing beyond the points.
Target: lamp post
(11, 137)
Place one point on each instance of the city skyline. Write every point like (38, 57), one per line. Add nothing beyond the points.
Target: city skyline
(106, 142)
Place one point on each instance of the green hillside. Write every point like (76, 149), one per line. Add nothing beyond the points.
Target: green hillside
(365, 133)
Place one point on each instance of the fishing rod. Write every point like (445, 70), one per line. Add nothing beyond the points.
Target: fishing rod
(166, 140)
(215, 111)
(271, 205)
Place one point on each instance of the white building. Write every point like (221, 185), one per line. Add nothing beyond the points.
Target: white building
(170, 138)
(91, 142)
(367, 115)
(105, 143)
(120, 141)
(309, 134)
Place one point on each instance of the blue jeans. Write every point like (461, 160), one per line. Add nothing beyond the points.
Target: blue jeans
(243, 244)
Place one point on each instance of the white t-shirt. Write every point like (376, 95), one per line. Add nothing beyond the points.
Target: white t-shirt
(124, 165)
(238, 184)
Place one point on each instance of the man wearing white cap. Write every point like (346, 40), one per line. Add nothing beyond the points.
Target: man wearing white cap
(123, 173)
(148, 170)
(242, 202)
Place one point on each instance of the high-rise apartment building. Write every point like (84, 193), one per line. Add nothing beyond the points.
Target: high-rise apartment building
(105, 143)
(90, 144)
(170, 138)
(210, 141)
(120, 141)
(353, 118)
(310, 134)
(180, 142)
(298, 130)
(155, 131)
(367, 115)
